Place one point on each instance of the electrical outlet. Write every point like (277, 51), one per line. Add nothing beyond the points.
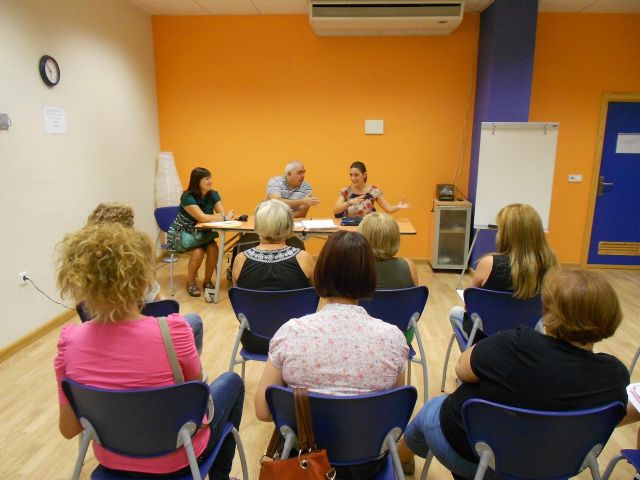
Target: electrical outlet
(22, 277)
(575, 178)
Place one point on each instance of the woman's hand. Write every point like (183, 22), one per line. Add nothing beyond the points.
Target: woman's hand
(403, 204)
(229, 216)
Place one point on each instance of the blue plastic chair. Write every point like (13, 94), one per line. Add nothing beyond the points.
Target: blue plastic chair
(631, 456)
(164, 218)
(353, 429)
(403, 307)
(145, 423)
(521, 444)
(264, 312)
(158, 308)
(497, 311)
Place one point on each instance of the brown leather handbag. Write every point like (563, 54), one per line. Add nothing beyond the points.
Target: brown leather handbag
(311, 463)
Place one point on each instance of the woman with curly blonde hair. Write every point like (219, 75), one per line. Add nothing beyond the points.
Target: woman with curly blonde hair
(114, 212)
(109, 267)
(520, 264)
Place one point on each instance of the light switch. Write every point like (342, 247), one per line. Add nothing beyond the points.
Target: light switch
(374, 127)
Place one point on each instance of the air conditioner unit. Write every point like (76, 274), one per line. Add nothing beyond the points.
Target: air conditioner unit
(384, 17)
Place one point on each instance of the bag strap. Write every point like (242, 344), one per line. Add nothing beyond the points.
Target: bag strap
(306, 435)
(171, 352)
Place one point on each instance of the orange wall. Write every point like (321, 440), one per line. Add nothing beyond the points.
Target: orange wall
(243, 95)
(579, 57)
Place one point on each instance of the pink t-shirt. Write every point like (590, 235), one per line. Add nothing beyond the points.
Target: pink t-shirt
(128, 355)
(340, 350)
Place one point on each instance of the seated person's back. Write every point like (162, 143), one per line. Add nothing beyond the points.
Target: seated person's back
(383, 235)
(271, 265)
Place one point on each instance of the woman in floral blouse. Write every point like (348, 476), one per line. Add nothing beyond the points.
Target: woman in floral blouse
(359, 198)
(339, 350)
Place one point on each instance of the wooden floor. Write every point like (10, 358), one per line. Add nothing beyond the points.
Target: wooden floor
(32, 447)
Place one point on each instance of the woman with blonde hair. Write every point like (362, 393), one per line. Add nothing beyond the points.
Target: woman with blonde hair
(383, 235)
(271, 265)
(522, 368)
(522, 259)
(109, 267)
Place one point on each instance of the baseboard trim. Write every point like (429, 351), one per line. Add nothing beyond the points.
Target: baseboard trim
(28, 339)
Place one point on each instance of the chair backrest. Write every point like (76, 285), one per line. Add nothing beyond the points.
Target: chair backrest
(142, 422)
(161, 308)
(531, 444)
(397, 306)
(501, 310)
(351, 428)
(165, 217)
(158, 308)
(268, 310)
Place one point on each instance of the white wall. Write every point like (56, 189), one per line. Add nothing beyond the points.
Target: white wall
(50, 183)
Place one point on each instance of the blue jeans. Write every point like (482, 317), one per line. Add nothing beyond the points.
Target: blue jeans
(195, 322)
(424, 434)
(227, 392)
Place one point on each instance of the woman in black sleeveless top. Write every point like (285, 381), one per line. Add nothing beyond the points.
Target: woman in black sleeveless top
(519, 266)
(271, 265)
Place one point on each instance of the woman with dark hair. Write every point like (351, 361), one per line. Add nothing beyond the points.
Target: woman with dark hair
(555, 371)
(199, 203)
(339, 350)
(359, 199)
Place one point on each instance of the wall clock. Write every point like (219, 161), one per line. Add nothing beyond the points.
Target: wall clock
(49, 70)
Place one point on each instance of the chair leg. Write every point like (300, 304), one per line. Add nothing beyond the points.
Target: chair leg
(241, 454)
(446, 362)
(409, 372)
(85, 439)
(423, 363)
(427, 464)
(393, 451)
(244, 362)
(634, 361)
(611, 466)
(171, 289)
(482, 466)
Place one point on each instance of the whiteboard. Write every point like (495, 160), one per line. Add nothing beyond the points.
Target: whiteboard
(515, 165)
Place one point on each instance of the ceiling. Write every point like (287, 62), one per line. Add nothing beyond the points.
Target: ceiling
(271, 7)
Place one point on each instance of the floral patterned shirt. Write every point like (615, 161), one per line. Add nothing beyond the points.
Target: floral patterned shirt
(339, 350)
(363, 208)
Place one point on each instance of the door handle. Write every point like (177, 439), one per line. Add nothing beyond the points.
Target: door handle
(602, 184)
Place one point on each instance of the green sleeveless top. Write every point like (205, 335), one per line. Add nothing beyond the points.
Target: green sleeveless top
(393, 273)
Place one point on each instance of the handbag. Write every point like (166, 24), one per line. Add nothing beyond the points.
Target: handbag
(195, 239)
(311, 463)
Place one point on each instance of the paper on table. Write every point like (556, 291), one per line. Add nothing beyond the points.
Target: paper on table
(226, 223)
(318, 224)
(633, 391)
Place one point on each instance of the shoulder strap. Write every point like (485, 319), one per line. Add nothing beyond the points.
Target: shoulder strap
(171, 352)
(306, 436)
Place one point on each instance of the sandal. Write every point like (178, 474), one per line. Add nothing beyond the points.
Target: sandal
(209, 285)
(192, 289)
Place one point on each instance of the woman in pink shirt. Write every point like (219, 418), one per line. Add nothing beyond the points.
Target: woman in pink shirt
(109, 267)
(339, 350)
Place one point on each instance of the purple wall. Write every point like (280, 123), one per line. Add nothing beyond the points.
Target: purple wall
(503, 86)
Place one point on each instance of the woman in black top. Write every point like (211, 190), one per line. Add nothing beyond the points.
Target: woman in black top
(522, 259)
(556, 371)
(271, 265)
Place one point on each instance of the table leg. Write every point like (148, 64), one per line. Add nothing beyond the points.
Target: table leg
(216, 295)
